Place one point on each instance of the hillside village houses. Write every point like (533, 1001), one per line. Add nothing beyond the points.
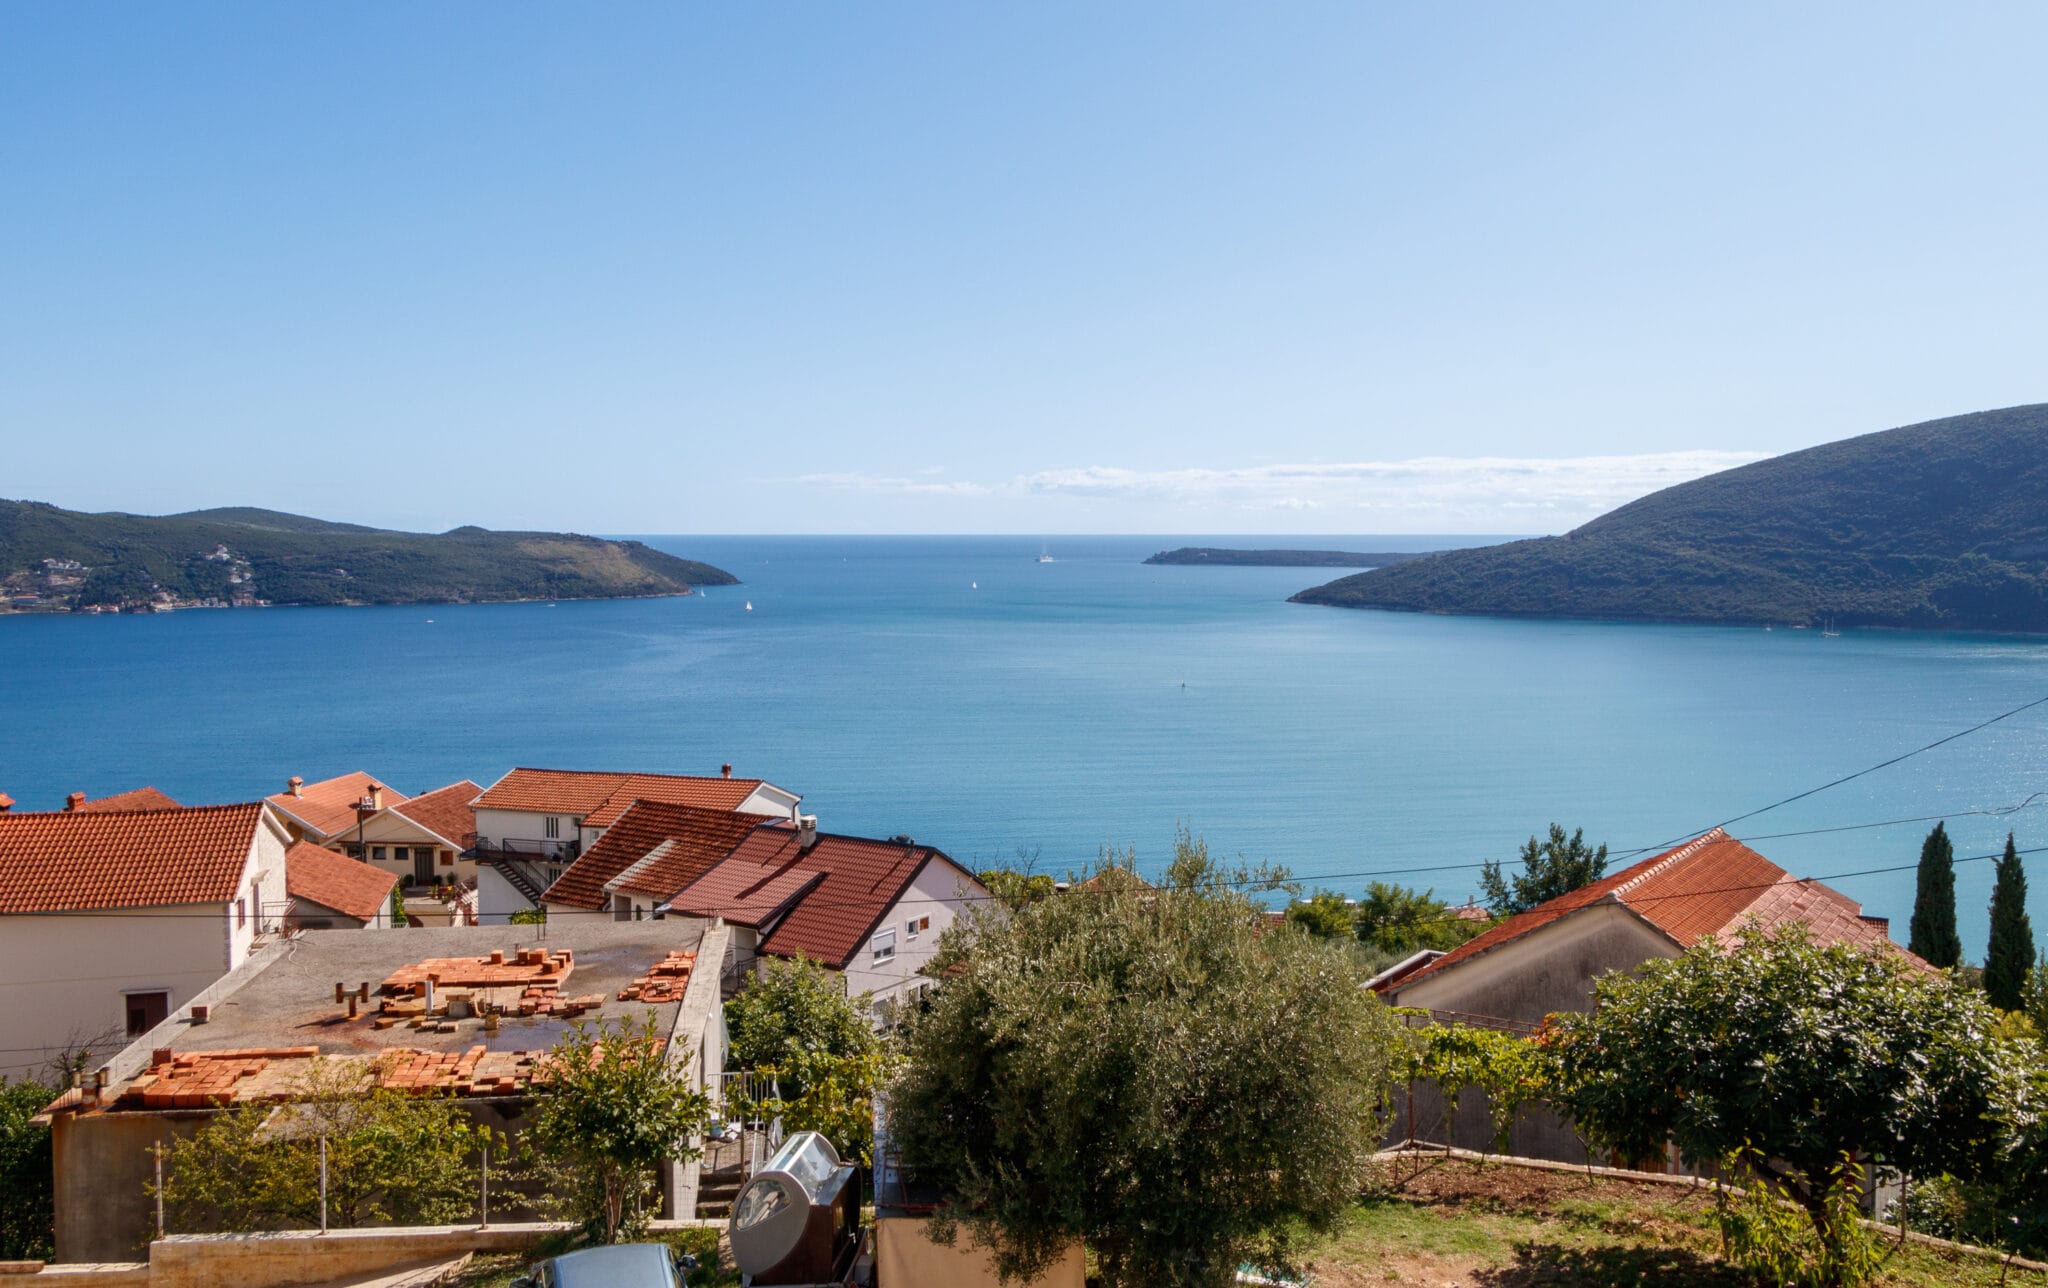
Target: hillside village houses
(111, 920)
(1545, 960)
(532, 823)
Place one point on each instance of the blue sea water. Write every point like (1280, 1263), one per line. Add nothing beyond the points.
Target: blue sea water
(1093, 701)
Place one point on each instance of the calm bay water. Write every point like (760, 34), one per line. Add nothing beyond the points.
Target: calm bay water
(1062, 707)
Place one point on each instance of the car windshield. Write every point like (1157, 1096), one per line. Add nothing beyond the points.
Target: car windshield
(628, 1265)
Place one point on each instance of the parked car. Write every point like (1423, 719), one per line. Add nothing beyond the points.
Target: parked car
(622, 1265)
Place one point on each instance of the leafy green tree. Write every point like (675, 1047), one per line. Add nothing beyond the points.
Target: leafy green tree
(1550, 867)
(1784, 1058)
(1933, 934)
(1324, 914)
(1015, 889)
(612, 1109)
(392, 1159)
(2011, 954)
(796, 1028)
(27, 1205)
(1510, 1071)
(1396, 919)
(1148, 1070)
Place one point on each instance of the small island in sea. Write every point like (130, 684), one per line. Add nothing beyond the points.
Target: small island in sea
(1941, 525)
(1219, 557)
(55, 560)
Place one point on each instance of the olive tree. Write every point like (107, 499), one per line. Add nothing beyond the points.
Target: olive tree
(1792, 1061)
(611, 1109)
(1151, 1069)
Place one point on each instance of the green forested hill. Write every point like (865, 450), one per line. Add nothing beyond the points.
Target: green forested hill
(290, 559)
(1941, 525)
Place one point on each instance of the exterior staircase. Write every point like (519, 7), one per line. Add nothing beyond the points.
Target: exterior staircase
(515, 875)
(717, 1192)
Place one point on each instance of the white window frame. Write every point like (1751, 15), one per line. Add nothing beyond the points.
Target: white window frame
(551, 828)
(916, 926)
(882, 948)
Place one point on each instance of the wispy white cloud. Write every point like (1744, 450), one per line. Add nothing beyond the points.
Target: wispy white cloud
(1512, 493)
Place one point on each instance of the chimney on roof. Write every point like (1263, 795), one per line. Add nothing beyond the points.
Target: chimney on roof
(293, 785)
(6, 802)
(74, 800)
(806, 831)
(725, 770)
(376, 796)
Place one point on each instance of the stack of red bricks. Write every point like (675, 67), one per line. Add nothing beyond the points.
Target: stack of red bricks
(545, 1001)
(202, 1079)
(530, 968)
(664, 982)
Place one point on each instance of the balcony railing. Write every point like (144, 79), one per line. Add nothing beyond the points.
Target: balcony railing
(517, 847)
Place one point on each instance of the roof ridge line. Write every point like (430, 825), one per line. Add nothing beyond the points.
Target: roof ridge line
(1665, 864)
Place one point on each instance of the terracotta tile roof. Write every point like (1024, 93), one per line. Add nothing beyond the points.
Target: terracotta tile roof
(863, 878)
(750, 887)
(56, 861)
(1711, 885)
(348, 886)
(445, 812)
(329, 806)
(598, 797)
(695, 839)
(140, 798)
(842, 887)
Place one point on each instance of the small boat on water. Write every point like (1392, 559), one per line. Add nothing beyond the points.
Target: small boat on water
(1044, 555)
(750, 605)
(974, 585)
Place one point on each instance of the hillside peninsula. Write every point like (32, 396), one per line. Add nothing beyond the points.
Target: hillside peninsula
(56, 560)
(1219, 557)
(1936, 526)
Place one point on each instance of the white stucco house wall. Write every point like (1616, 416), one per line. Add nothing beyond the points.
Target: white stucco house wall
(110, 922)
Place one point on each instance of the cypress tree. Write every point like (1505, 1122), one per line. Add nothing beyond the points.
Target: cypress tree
(2011, 954)
(1934, 937)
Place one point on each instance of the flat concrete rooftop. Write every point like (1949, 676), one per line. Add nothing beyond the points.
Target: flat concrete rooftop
(289, 1001)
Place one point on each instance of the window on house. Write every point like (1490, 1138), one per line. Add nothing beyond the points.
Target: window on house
(377, 853)
(884, 945)
(354, 851)
(146, 1011)
(241, 913)
(447, 858)
(916, 926)
(551, 828)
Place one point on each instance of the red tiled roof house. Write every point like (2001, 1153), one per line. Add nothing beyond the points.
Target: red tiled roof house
(1546, 959)
(533, 823)
(871, 910)
(110, 921)
(331, 891)
(424, 840)
(323, 811)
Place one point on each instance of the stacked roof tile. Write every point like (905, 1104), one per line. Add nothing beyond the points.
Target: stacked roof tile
(348, 886)
(66, 861)
(1711, 885)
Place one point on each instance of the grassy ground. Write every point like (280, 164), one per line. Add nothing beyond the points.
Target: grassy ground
(1458, 1225)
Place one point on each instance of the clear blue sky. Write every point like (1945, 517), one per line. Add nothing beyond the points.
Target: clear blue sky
(1029, 268)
